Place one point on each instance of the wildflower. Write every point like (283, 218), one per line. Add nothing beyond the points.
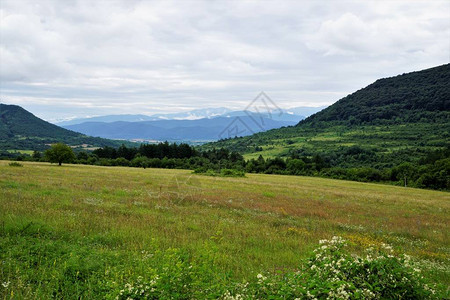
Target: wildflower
(6, 284)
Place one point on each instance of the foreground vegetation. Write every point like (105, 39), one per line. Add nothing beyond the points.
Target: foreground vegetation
(94, 232)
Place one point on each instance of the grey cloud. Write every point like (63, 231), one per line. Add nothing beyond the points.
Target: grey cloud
(161, 56)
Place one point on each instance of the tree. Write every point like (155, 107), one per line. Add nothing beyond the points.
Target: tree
(36, 155)
(59, 153)
(403, 172)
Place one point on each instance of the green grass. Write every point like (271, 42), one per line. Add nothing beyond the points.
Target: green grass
(72, 230)
(29, 152)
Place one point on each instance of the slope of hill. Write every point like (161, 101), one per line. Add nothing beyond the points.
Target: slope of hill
(407, 98)
(175, 130)
(393, 120)
(20, 129)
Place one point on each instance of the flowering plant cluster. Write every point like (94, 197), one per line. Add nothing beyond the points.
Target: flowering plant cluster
(333, 273)
(330, 273)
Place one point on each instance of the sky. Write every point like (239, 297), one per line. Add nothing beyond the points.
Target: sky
(65, 59)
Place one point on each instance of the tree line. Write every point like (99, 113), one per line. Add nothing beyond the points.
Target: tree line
(431, 172)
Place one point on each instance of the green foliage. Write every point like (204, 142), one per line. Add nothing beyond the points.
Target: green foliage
(334, 273)
(59, 153)
(15, 164)
(221, 173)
(79, 268)
(407, 98)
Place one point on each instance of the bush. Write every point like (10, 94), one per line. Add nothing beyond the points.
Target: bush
(222, 173)
(333, 273)
(120, 161)
(15, 164)
(232, 173)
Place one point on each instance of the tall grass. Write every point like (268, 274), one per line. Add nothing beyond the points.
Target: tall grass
(84, 231)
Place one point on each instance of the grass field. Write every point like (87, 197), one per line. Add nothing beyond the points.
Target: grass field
(74, 221)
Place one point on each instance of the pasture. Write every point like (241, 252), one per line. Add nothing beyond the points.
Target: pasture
(62, 226)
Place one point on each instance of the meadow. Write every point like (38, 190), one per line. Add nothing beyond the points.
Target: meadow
(80, 231)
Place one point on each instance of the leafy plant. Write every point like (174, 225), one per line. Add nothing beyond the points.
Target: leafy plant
(334, 273)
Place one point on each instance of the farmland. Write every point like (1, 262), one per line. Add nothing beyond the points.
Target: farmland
(74, 222)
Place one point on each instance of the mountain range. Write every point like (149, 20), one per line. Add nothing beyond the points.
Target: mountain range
(195, 126)
(180, 130)
(288, 115)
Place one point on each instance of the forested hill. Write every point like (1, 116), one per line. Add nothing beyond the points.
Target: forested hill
(407, 98)
(393, 120)
(20, 129)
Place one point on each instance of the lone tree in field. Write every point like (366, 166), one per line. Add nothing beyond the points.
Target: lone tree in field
(59, 153)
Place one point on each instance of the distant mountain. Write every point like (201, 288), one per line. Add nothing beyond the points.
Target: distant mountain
(304, 110)
(107, 119)
(393, 120)
(193, 114)
(20, 129)
(190, 115)
(181, 130)
(288, 115)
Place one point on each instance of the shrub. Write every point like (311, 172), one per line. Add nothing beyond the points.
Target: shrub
(222, 173)
(232, 173)
(15, 164)
(333, 273)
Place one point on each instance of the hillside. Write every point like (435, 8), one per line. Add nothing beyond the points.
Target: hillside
(391, 121)
(21, 130)
(408, 98)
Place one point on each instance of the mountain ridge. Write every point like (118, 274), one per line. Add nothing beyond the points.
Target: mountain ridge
(172, 130)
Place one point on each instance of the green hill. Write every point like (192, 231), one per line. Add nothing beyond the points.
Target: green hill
(21, 130)
(408, 98)
(393, 120)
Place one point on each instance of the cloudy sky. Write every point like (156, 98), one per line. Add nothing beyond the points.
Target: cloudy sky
(63, 59)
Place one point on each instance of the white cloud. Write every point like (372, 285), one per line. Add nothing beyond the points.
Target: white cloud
(136, 56)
